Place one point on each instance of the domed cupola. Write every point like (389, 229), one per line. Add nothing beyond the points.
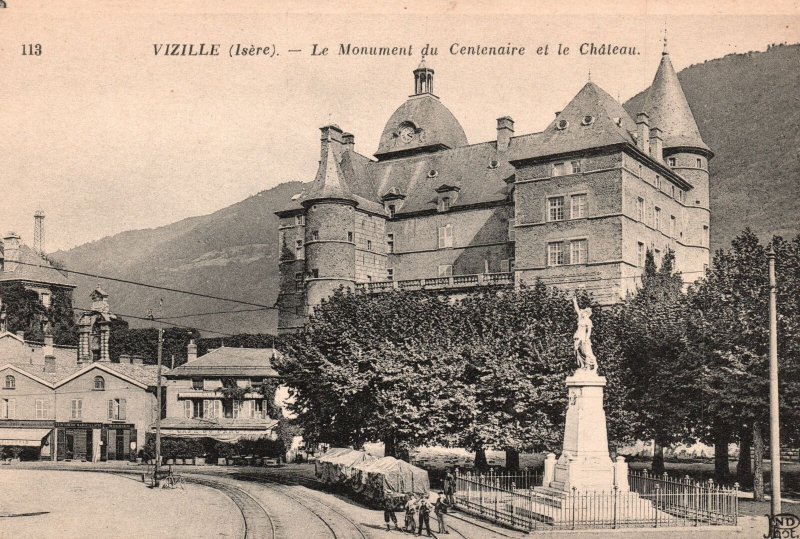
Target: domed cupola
(421, 124)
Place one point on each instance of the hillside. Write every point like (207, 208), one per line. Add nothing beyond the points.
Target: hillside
(747, 108)
(230, 253)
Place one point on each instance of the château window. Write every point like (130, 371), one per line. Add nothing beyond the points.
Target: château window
(298, 245)
(446, 270)
(99, 383)
(42, 408)
(640, 254)
(671, 161)
(315, 273)
(300, 220)
(577, 206)
(576, 167)
(46, 299)
(640, 209)
(555, 254)
(369, 245)
(389, 274)
(390, 242)
(11, 382)
(658, 183)
(512, 232)
(392, 210)
(350, 237)
(699, 163)
(578, 252)
(657, 218)
(555, 209)
(558, 169)
(197, 383)
(445, 236)
(315, 235)
(444, 204)
(672, 222)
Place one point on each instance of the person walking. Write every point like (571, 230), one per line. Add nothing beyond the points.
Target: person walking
(411, 509)
(424, 509)
(450, 487)
(441, 510)
(388, 513)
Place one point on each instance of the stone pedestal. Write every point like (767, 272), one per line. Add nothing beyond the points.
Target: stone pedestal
(584, 463)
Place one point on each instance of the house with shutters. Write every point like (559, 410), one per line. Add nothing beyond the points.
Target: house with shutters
(219, 395)
(576, 205)
(74, 403)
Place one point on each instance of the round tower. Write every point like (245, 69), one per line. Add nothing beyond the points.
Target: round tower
(685, 152)
(330, 223)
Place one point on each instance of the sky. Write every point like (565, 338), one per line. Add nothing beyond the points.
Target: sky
(105, 136)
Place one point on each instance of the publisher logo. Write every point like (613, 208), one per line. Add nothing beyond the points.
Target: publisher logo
(783, 526)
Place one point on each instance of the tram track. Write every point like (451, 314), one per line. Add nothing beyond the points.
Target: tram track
(258, 523)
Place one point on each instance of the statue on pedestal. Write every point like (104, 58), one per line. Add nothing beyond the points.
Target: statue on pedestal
(582, 340)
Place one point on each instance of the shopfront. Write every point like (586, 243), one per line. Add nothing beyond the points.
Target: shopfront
(92, 442)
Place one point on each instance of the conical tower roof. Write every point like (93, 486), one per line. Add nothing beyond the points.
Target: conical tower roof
(668, 109)
(329, 182)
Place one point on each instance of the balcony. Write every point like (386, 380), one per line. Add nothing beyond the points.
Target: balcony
(441, 283)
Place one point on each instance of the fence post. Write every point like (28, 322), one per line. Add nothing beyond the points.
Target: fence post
(735, 494)
(574, 503)
(658, 504)
(480, 492)
(616, 489)
(513, 495)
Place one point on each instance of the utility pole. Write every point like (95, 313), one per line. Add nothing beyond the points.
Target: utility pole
(774, 410)
(158, 415)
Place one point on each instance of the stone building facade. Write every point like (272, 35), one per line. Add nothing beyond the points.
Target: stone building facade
(576, 205)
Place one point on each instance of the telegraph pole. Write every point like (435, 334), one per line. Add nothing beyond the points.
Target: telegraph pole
(157, 467)
(774, 410)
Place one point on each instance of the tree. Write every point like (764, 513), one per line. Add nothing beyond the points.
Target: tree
(24, 310)
(652, 327)
(730, 343)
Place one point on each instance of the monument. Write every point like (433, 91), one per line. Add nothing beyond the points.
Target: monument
(585, 463)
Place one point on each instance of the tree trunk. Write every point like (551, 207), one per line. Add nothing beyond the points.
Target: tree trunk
(481, 464)
(512, 459)
(389, 446)
(722, 470)
(744, 474)
(758, 463)
(657, 468)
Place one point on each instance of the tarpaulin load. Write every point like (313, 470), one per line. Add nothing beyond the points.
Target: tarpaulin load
(388, 477)
(336, 465)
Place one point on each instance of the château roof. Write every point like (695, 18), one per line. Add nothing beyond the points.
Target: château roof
(668, 109)
(329, 182)
(435, 125)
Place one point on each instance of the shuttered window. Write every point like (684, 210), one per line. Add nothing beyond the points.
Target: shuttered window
(117, 409)
(187, 409)
(76, 409)
(445, 236)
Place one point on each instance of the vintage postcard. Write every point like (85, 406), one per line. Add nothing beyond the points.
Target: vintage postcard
(353, 269)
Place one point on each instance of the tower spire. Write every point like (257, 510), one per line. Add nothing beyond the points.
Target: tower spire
(665, 52)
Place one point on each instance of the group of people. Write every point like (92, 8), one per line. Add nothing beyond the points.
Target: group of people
(418, 510)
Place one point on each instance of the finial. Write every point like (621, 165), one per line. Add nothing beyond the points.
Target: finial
(422, 61)
(664, 52)
(590, 74)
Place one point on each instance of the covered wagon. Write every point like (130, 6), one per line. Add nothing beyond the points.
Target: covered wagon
(336, 465)
(388, 478)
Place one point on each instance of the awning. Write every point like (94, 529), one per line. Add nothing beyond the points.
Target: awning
(23, 437)
(221, 435)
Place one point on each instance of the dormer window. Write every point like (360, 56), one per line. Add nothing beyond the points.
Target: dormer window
(99, 383)
(11, 382)
(432, 173)
(558, 169)
(671, 161)
(447, 195)
(587, 120)
(562, 124)
(392, 210)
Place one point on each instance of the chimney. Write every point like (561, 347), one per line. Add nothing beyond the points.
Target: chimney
(21, 334)
(191, 351)
(656, 144)
(10, 251)
(137, 360)
(47, 348)
(329, 134)
(349, 141)
(49, 364)
(643, 132)
(505, 130)
(558, 113)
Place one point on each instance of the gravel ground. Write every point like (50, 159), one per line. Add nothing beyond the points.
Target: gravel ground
(93, 505)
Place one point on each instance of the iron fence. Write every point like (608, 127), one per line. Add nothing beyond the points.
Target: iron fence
(661, 503)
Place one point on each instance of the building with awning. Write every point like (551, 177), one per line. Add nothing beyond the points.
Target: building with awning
(225, 395)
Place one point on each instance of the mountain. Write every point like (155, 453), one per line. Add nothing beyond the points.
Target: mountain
(231, 253)
(747, 107)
